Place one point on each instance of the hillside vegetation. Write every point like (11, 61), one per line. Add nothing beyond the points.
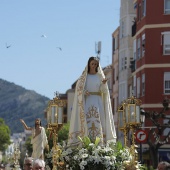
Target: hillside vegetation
(16, 102)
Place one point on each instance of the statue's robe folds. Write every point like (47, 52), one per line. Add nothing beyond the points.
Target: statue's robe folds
(39, 142)
(91, 115)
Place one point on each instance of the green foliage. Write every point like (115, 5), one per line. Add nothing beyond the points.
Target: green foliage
(4, 135)
(63, 133)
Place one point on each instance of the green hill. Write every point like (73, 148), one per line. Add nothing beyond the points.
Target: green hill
(18, 103)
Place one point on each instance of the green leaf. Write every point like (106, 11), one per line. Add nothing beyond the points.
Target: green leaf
(119, 145)
(80, 139)
(97, 141)
(86, 141)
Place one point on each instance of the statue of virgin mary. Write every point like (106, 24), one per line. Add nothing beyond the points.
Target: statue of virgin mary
(92, 112)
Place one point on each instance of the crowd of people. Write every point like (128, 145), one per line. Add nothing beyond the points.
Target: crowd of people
(31, 164)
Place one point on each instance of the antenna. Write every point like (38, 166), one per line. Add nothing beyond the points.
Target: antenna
(98, 48)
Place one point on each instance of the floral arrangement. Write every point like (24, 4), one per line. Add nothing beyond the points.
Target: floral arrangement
(92, 156)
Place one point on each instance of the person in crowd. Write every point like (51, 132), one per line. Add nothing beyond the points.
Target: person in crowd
(39, 139)
(163, 166)
(38, 164)
(92, 112)
(28, 163)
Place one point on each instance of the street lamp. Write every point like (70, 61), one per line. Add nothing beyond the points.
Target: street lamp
(142, 116)
(55, 123)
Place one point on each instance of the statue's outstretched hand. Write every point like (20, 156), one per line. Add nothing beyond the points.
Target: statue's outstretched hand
(86, 93)
(21, 120)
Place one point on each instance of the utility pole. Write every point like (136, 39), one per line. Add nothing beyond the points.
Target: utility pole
(98, 49)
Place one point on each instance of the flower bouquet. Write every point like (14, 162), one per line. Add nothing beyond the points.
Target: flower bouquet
(92, 156)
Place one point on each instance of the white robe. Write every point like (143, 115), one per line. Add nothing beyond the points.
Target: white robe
(91, 115)
(39, 142)
(95, 116)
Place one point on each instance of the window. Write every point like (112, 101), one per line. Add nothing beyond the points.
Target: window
(138, 48)
(143, 44)
(167, 6)
(143, 84)
(113, 45)
(134, 85)
(166, 131)
(125, 63)
(134, 49)
(143, 8)
(116, 42)
(167, 83)
(139, 12)
(122, 29)
(122, 63)
(166, 43)
(122, 92)
(138, 87)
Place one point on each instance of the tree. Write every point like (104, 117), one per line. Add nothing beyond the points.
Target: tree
(62, 135)
(4, 135)
(156, 136)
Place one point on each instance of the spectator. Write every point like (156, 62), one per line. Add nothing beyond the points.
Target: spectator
(163, 165)
(28, 163)
(38, 164)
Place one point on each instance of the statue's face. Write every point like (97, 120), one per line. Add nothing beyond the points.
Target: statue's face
(37, 122)
(93, 64)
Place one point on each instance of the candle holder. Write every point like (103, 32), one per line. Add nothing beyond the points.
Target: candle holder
(129, 120)
(13, 158)
(55, 123)
(16, 157)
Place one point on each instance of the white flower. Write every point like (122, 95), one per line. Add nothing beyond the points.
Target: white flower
(69, 151)
(84, 155)
(64, 153)
(75, 157)
(83, 163)
(94, 155)
(107, 158)
(67, 158)
(81, 151)
(91, 144)
(97, 159)
(82, 167)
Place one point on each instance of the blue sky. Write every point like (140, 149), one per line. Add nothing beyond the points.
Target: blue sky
(34, 62)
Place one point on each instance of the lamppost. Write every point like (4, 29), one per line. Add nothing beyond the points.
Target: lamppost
(55, 123)
(129, 120)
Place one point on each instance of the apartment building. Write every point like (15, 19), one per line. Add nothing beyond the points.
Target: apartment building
(115, 76)
(151, 56)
